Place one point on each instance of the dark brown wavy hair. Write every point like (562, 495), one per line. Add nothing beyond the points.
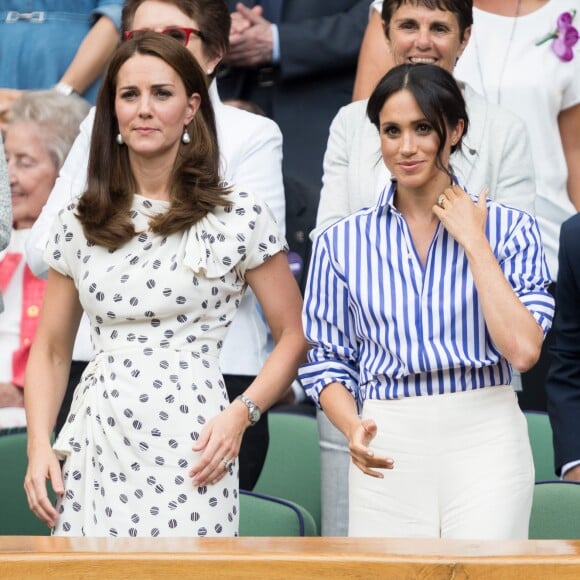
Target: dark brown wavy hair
(194, 185)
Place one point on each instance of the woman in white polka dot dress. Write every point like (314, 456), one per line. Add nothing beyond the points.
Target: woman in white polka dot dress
(150, 444)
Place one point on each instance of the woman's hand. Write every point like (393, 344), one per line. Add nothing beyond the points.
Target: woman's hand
(462, 218)
(42, 465)
(220, 441)
(362, 456)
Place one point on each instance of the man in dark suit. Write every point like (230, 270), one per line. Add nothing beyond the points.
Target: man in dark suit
(297, 60)
(563, 384)
(301, 206)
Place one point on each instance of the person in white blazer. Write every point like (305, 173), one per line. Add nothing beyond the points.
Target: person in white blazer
(495, 154)
(251, 158)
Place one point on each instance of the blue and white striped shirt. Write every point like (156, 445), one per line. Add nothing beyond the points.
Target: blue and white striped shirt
(386, 327)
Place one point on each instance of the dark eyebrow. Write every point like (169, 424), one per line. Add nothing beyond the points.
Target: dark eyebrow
(422, 121)
(440, 23)
(410, 20)
(405, 21)
(156, 86)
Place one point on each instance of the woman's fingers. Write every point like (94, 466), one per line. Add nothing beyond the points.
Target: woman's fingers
(220, 449)
(214, 468)
(43, 465)
(370, 463)
(364, 457)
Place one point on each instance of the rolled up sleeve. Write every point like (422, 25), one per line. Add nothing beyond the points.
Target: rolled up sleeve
(329, 326)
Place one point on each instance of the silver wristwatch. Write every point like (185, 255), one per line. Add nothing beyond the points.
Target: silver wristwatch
(254, 412)
(64, 89)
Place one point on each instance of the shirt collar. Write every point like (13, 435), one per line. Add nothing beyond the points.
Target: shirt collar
(387, 196)
(214, 96)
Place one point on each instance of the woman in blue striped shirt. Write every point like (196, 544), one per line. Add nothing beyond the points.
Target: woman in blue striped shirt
(417, 309)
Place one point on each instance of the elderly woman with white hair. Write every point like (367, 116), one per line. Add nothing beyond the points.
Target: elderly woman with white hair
(42, 126)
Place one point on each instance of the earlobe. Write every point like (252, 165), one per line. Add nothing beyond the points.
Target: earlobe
(457, 132)
(213, 62)
(464, 41)
(386, 33)
(385, 29)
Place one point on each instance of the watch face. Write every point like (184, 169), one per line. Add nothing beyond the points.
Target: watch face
(254, 415)
(254, 412)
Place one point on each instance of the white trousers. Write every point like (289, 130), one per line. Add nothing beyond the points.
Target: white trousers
(463, 469)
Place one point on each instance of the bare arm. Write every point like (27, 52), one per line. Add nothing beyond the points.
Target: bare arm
(511, 326)
(280, 299)
(569, 125)
(45, 384)
(374, 59)
(340, 408)
(92, 55)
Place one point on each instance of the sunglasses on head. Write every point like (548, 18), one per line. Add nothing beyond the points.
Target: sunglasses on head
(178, 33)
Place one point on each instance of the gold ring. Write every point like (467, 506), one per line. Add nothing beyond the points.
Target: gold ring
(440, 200)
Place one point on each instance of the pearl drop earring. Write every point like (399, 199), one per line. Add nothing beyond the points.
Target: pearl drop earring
(185, 138)
(119, 139)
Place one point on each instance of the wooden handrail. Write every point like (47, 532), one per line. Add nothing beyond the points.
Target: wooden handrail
(35, 557)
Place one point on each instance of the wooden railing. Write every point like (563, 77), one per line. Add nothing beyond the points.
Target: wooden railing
(44, 558)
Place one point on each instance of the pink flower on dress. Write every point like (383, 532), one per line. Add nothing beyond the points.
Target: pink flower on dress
(563, 38)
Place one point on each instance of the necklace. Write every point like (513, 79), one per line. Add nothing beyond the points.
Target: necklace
(505, 57)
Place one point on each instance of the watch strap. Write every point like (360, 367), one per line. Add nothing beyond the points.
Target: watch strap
(254, 411)
(64, 89)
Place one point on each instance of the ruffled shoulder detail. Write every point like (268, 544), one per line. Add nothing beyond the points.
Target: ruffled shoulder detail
(241, 236)
(66, 241)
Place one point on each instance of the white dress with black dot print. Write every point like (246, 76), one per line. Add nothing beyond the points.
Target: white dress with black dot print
(159, 309)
